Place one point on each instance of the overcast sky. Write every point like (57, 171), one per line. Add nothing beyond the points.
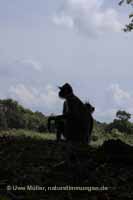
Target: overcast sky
(44, 44)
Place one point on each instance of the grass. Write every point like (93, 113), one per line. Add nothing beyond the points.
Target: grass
(98, 138)
(28, 133)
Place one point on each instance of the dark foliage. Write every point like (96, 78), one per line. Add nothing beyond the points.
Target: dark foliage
(13, 115)
(128, 27)
(122, 124)
(25, 161)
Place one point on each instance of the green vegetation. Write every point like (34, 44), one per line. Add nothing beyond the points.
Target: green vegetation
(98, 137)
(30, 155)
(27, 134)
(13, 115)
(122, 124)
(17, 121)
(121, 128)
(128, 27)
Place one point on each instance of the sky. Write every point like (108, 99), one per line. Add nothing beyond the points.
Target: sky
(44, 44)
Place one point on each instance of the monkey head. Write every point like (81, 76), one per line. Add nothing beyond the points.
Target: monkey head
(65, 91)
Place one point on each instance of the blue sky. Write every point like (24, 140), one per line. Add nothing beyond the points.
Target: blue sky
(44, 44)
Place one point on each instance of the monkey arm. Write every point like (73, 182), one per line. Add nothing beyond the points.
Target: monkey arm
(58, 117)
(54, 118)
(64, 116)
(49, 123)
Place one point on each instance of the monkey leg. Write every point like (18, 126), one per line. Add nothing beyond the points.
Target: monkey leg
(58, 136)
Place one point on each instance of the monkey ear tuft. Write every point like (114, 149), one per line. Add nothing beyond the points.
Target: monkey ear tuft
(59, 87)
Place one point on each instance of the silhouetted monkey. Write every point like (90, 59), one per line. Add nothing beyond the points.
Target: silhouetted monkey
(76, 122)
(60, 124)
(90, 109)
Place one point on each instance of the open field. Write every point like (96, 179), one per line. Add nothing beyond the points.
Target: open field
(28, 133)
(97, 138)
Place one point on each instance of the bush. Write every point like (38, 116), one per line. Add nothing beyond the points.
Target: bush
(13, 115)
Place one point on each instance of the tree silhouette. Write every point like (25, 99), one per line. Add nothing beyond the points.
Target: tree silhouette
(123, 115)
(128, 27)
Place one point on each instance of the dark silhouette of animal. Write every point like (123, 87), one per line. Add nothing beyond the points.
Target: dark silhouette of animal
(60, 124)
(76, 122)
(90, 110)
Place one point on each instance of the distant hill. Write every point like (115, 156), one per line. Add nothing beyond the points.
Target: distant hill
(14, 115)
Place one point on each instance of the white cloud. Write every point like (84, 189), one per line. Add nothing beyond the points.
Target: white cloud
(116, 99)
(45, 99)
(49, 97)
(23, 94)
(30, 63)
(87, 16)
(119, 96)
(63, 20)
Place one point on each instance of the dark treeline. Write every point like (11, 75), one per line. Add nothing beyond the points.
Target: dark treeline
(14, 115)
(121, 123)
